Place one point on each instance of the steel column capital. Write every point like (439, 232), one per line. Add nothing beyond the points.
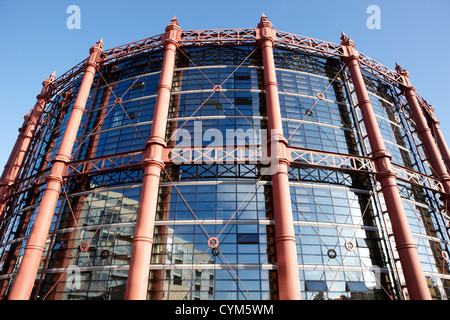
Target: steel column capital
(348, 51)
(95, 52)
(265, 35)
(171, 39)
(405, 85)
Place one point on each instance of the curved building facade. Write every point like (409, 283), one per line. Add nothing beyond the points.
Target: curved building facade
(227, 165)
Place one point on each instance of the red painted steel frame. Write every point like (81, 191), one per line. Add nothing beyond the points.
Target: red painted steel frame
(154, 155)
(409, 258)
(24, 281)
(138, 275)
(442, 144)
(424, 131)
(288, 277)
(18, 155)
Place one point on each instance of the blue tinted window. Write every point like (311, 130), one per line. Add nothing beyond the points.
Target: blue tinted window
(247, 238)
(356, 286)
(316, 286)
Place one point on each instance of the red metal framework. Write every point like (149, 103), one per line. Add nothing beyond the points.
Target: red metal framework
(157, 154)
(23, 283)
(201, 38)
(239, 36)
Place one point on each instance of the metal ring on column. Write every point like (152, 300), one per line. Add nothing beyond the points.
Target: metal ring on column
(84, 246)
(331, 253)
(349, 245)
(445, 255)
(213, 242)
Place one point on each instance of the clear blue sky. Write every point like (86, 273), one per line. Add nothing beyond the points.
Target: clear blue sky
(34, 39)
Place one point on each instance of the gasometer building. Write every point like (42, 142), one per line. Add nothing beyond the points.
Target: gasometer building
(227, 164)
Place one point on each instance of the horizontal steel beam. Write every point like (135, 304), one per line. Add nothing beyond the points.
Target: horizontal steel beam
(239, 36)
(246, 154)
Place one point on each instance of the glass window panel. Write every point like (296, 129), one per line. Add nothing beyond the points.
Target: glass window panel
(249, 238)
(316, 285)
(356, 286)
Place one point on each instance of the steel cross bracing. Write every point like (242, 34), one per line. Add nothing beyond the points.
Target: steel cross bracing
(349, 243)
(237, 154)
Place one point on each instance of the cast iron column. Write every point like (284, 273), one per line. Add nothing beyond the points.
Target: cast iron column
(431, 150)
(288, 277)
(17, 157)
(25, 278)
(440, 140)
(138, 274)
(409, 258)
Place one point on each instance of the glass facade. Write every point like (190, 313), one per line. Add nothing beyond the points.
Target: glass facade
(89, 248)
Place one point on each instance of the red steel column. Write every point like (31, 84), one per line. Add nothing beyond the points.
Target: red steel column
(409, 258)
(5, 180)
(442, 144)
(138, 274)
(24, 281)
(424, 131)
(288, 277)
(17, 157)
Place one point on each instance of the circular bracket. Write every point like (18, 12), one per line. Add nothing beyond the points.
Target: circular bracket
(84, 246)
(104, 254)
(215, 252)
(349, 245)
(445, 255)
(213, 242)
(331, 253)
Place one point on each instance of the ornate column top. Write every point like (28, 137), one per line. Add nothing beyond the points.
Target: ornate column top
(348, 47)
(46, 86)
(265, 30)
(404, 77)
(96, 53)
(173, 32)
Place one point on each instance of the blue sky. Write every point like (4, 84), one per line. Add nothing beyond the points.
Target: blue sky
(35, 40)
